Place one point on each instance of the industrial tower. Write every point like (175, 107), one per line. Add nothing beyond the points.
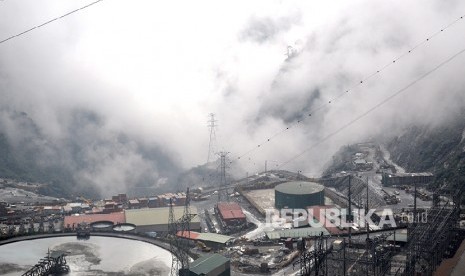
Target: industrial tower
(179, 246)
(222, 190)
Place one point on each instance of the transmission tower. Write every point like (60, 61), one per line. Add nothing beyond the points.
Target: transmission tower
(180, 246)
(222, 190)
(172, 230)
(211, 126)
(312, 260)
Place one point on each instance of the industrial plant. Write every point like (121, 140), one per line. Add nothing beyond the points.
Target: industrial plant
(348, 223)
(341, 151)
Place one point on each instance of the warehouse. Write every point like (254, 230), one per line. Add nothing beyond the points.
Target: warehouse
(212, 240)
(231, 213)
(156, 219)
(298, 195)
(389, 179)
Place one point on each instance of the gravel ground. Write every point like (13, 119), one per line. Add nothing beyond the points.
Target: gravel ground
(14, 195)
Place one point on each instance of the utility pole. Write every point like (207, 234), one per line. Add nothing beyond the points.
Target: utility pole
(368, 227)
(415, 203)
(366, 212)
(344, 270)
(211, 126)
(350, 210)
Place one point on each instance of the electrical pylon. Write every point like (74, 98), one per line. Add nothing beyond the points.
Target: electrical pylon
(212, 127)
(180, 246)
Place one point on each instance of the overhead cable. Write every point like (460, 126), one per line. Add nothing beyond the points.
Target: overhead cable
(389, 98)
(48, 22)
(345, 92)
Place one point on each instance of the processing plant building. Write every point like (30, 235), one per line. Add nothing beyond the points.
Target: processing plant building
(299, 195)
(144, 219)
(156, 219)
(389, 179)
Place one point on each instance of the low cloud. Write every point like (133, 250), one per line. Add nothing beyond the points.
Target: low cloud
(120, 93)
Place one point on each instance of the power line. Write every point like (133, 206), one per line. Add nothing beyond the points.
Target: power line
(345, 92)
(374, 107)
(50, 21)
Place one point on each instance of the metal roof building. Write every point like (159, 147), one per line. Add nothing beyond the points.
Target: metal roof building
(210, 265)
(211, 239)
(156, 219)
(230, 210)
(297, 233)
(231, 213)
(76, 219)
(299, 195)
(389, 179)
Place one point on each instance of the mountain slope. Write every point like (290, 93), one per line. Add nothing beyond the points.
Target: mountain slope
(87, 158)
(439, 149)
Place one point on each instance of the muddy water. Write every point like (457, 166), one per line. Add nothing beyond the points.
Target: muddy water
(96, 256)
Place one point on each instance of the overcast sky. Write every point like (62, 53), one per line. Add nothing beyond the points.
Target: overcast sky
(154, 70)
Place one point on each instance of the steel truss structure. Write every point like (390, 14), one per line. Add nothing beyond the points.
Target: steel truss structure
(371, 257)
(179, 246)
(429, 242)
(53, 264)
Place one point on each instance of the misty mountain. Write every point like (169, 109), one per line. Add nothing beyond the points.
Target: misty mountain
(25, 158)
(439, 149)
(208, 175)
(86, 159)
(200, 176)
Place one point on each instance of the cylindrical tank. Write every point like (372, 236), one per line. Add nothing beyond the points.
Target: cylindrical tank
(298, 195)
(124, 227)
(102, 226)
